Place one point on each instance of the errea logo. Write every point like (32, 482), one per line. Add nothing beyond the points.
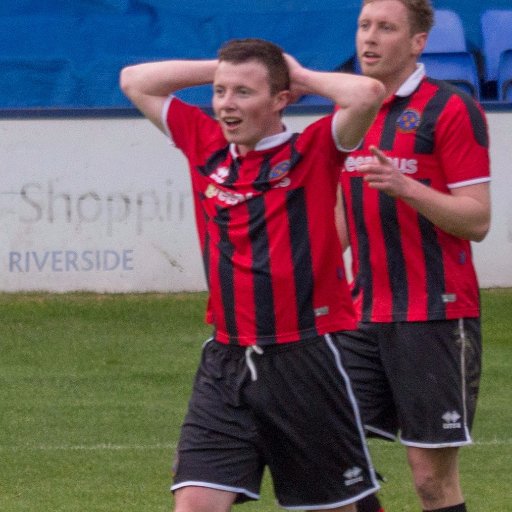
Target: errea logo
(451, 420)
(220, 174)
(353, 476)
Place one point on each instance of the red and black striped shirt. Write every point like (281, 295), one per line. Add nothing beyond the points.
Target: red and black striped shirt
(404, 267)
(267, 232)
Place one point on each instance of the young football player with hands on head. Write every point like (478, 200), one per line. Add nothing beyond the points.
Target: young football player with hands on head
(415, 194)
(271, 389)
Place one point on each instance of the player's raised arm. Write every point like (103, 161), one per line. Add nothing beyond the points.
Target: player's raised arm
(148, 85)
(358, 98)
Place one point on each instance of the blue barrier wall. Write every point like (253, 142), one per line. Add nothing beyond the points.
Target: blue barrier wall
(68, 53)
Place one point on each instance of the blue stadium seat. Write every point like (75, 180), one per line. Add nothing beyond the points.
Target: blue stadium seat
(38, 82)
(446, 55)
(311, 103)
(496, 26)
(60, 7)
(36, 35)
(200, 96)
(31, 7)
(312, 35)
(458, 68)
(78, 54)
(99, 85)
(313, 99)
(447, 34)
(100, 35)
(505, 76)
(177, 33)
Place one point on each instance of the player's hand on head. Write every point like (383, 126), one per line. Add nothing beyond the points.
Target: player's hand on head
(294, 69)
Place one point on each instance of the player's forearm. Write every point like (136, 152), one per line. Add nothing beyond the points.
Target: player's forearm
(344, 89)
(464, 213)
(165, 77)
(358, 97)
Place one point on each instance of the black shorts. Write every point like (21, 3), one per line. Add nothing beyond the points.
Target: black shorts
(290, 408)
(416, 379)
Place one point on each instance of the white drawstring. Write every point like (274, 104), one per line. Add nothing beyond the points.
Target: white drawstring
(250, 362)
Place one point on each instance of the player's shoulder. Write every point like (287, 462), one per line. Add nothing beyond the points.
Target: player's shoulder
(453, 110)
(317, 129)
(449, 95)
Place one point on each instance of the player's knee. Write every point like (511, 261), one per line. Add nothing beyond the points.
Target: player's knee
(434, 485)
(196, 499)
(428, 488)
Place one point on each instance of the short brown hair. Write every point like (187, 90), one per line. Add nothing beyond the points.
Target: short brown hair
(269, 54)
(421, 14)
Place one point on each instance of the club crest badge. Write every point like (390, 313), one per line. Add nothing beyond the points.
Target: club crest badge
(280, 169)
(408, 121)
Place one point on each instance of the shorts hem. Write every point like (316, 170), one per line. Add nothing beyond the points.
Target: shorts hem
(328, 506)
(382, 434)
(451, 444)
(219, 487)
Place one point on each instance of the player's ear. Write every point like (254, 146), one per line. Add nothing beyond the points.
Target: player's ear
(282, 99)
(418, 43)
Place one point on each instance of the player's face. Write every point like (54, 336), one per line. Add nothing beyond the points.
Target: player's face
(244, 105)
(385, 47)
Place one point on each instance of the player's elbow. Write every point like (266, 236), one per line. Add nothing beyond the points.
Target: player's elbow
(369, 98)
(378, 90)
(480, 231)
(372, 93)
(482, 224)
(128, 81)
(477, 229)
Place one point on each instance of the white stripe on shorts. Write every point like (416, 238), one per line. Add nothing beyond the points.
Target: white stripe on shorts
(355, 407)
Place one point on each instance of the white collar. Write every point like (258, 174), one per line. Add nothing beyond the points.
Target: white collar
(410, 85)
(267, 142)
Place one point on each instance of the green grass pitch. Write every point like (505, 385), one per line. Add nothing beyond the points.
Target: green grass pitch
(93, 389)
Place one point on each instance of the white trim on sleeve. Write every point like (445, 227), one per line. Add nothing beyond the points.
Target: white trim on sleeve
(475, 181)
(165, 110)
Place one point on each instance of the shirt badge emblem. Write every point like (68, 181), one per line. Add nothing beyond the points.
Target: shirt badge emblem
(408, 121)
(280, 169)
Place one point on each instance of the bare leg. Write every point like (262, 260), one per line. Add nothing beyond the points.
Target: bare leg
(436, 476)
(202, 499)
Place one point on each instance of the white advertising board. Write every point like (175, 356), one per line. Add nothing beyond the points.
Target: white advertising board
(95, 204)
(493, 256)
(105, 205)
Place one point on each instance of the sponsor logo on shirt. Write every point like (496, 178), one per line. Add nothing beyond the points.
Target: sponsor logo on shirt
(233, 198)
(229, 198)
(404, 165)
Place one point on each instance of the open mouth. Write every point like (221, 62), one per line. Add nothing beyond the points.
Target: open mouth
(371, 56)
(232, 122)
